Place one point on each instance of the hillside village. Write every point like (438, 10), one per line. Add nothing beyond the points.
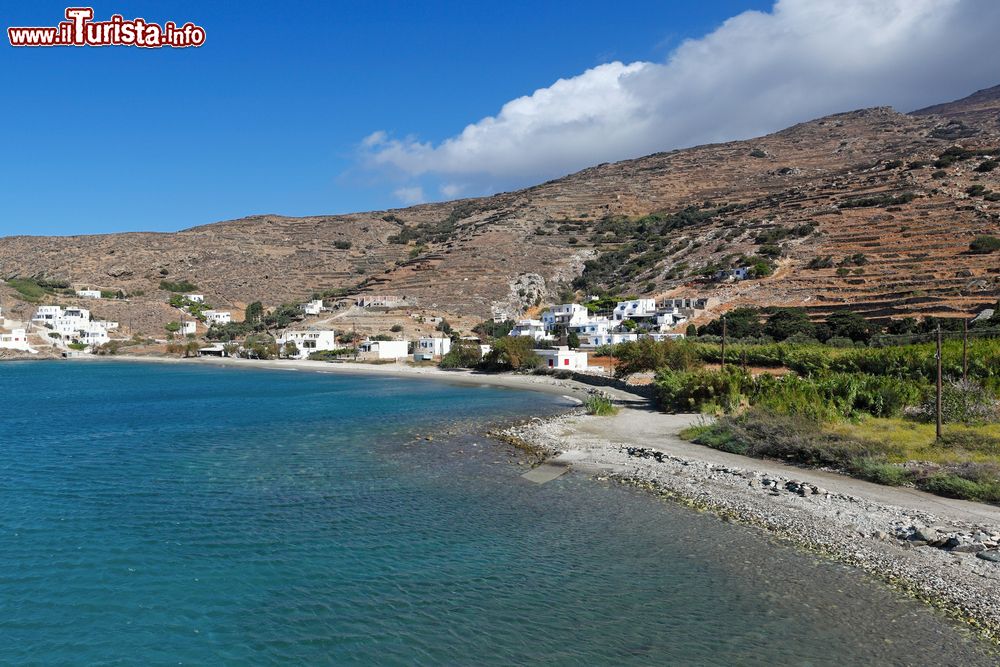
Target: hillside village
(892, 217)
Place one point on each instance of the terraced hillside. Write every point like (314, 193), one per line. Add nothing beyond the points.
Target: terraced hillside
(871, 210)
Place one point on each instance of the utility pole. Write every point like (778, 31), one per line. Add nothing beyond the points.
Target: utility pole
(939, 406)
(723, 342)
(965, 349)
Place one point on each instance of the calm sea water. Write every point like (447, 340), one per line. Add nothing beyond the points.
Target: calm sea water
(190, 515)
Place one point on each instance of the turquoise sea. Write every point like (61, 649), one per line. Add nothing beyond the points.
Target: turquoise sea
(170, 514)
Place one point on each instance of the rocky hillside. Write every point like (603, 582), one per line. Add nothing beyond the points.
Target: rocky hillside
(872, 210)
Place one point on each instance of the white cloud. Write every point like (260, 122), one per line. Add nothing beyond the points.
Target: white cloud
(757, 73)
(411, 195)
(451, 190)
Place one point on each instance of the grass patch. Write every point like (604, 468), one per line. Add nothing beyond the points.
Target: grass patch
(892, 452)
(29, 289)
(600, 406)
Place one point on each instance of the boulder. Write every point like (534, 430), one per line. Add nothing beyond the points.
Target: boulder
(925, 535)
(992, 555)
(972, 548)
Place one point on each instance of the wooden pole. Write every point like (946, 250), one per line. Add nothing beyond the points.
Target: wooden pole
(723, 342)
(965, 350)
(939, 406)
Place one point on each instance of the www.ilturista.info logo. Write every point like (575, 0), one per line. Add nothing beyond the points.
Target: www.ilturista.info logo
(80, 30)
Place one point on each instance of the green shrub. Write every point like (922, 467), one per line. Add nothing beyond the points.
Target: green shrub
(881, 472)
(695, 391)
(461, 355)
(985, 244)
(987, 166)
(28, 288)
(178, 286)
(601, 406)
(951, 486)
(647, 354)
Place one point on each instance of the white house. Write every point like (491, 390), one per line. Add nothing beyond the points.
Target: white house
(46, 314)
(384, 349)
(314, 307)
(613, 338)
(564, 315)
(595, 326)
(217, 316)
(17, 339)
(188, 327)
(196, 298)
(431, 348)
(93, 334)
(309, 341)
(669, 320)
(562, 358)
(532, 328)
(89, 293)
(637, 308)
(739, 273)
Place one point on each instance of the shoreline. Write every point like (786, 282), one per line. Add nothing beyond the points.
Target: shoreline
(858, 523)
(851, 521)
(540, 383)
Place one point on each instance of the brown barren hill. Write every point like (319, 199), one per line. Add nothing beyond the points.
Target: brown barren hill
(870, 210)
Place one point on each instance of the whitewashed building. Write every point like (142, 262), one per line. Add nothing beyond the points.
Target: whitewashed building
(188, 327)
(309, 341)
(17, 339)
(668, 320)
(195, 298)
(533, 328)
(218, 316)
(595, 326)
(611, 338)
(92, 335)
(314, 307)
(739, 273)
(562, 358)
(46, 314)
(89, 293)
(430, 348)
(634, 309)
(384, 349)
(565, 315)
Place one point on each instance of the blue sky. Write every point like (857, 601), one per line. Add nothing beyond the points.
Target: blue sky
(271, 115)
(266, 117)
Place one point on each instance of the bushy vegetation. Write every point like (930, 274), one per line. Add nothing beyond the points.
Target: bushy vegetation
(878, 200)
(463, 354)
(511, 353)
(647, 354)
(822, 397)
(178, 286)
(490, 329)
(600, 406)
(985, 244)
(958, 154)
(798, 439)
(641, 244)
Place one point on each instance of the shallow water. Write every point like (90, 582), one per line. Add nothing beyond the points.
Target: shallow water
(167, 514)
